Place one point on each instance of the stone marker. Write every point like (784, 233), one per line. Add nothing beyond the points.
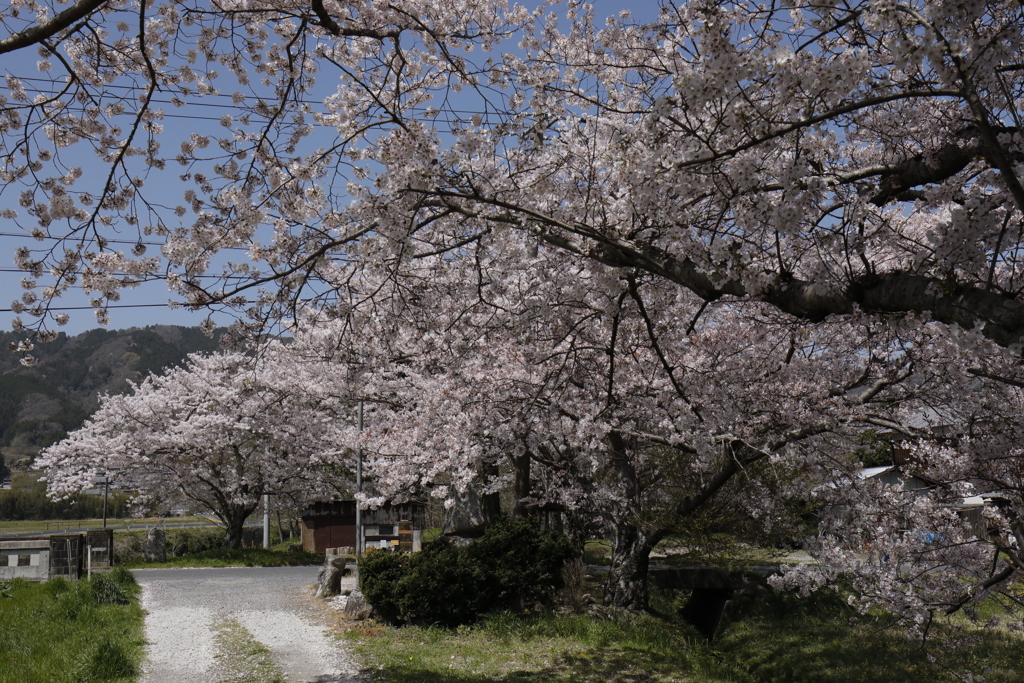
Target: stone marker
(156, 545)
(357, 608)
(329, 577)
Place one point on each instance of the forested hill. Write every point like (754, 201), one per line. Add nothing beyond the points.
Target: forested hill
(39, 405)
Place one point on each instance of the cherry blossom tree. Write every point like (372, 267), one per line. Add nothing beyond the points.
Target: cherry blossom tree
(222, 432)
(592, 245)
(611, 409)
(817, 157)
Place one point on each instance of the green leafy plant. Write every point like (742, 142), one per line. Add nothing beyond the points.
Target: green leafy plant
(513, 565)
(106, 591)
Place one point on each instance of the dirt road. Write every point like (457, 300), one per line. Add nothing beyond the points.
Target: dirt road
(210, 625)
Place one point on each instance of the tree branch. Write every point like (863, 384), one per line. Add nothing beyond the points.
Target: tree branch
(1002, 318)
(43, 31)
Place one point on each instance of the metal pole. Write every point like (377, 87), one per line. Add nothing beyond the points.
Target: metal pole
(106, 485)
(359, 488)
(266, 521)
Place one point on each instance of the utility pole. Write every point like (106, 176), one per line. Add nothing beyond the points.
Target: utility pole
(266, 521)
(106, 485)
(359, 488)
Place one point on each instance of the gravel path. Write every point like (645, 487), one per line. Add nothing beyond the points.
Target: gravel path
(264, 614)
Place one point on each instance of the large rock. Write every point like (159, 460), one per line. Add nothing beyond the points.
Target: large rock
(156, 545)
(357, 608)
(329, 577)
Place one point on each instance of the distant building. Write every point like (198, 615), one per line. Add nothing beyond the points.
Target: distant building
(333, 525)
(893, 475)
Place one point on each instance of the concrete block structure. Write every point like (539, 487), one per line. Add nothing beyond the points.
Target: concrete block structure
(67, 555)
(28, 559)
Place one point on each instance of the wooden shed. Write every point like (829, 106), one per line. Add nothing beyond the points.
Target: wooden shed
(333, 525)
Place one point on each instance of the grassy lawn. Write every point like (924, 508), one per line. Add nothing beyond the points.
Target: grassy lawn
(774, 639)
(59, 631)
(545, 647)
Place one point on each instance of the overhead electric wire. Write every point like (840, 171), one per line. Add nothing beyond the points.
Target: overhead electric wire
(441, 116)
(114, 86)
(95, 308)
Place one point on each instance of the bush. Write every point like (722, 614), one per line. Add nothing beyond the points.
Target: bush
(194, 541)
(57, 585)
(511, 566)
(123, 578)
(129, 547)
(105, 591)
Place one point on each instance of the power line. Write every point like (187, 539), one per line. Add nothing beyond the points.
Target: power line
(141, 282)
(254, 98)
(131, 242)
(94, 308)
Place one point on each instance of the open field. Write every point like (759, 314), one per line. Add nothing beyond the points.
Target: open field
(57, 526)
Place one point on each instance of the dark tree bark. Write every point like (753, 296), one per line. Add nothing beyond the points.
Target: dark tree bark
(627, 578)
(522, 488)
(234, 518)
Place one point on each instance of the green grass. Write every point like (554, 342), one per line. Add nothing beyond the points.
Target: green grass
(776, 638)
(239, 557)
(242, 658)
(597, 552)
(60, 631)
(821, 640)
(545, 647)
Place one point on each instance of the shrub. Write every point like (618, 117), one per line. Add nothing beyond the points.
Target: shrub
(445, 585)
(511, 566)
(194, 541)
(379, 574)
(123, 578)
(129, 547)
(105, 591)
(522, 564)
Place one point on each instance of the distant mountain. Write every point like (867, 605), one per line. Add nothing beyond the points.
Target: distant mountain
(41, 404)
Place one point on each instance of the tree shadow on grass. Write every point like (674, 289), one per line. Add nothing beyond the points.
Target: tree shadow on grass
(830, 643)
(616, 665)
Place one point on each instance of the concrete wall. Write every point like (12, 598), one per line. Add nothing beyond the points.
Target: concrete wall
(27, 559)
(39, 559)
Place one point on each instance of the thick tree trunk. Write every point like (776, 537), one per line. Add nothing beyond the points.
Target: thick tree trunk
(631, 546)
(627, 578)
(280, 528)
(234, 522)
(522, 487)
(491, 502)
